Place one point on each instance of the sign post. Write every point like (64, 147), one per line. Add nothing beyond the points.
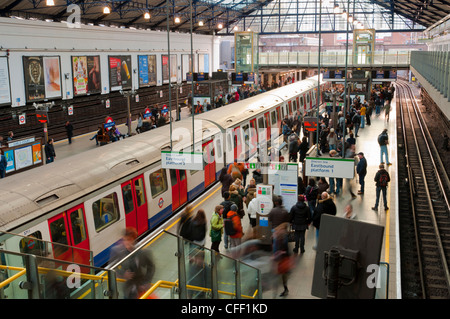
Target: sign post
(182, 160)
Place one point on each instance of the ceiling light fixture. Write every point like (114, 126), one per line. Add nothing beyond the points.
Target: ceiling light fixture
(200, 23)
(146, 15)
(50, 2)
(106, 10)
(177, 20)
(220, 26)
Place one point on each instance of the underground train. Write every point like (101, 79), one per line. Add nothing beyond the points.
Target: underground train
(87, 200)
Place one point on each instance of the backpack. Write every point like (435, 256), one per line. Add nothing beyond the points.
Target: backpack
(312, 194)
(229, 227)
(383, 181)
(382, 139)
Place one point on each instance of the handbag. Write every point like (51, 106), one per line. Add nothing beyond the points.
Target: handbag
(291, 235)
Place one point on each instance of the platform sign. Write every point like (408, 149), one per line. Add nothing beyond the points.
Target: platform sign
(310, 123)
(182, 160)
(22, 119)
(109, 123)
(147, 113)
(330, 167)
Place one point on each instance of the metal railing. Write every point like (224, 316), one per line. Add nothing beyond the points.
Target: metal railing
(182, 270)
(434, 66)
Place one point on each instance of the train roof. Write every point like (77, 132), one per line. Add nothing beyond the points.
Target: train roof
(29, 194)
(231, 115)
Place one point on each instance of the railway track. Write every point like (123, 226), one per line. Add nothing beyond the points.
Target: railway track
(424, 206)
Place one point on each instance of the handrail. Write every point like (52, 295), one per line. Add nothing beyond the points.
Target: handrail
(169, 284)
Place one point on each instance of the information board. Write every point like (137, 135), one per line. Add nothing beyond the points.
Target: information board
(182, 160)
(330, 167)
(284, 178)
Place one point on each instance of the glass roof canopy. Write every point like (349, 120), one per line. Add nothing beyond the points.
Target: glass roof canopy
(302, 16)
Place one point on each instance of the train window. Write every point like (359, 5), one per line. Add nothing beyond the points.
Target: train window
(260, 123)
(32, 244)
(78, 227)
(294, 105)
(59, 235)
(173, 177)
(246, 134)
(182, 175)
(307, 98)
(139, 189)
(127, 198)
(158, 182)
(273, 115)
(301, 101)
(106, 211)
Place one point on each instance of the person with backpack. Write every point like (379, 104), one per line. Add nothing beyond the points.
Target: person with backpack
(381, 179)
(383, 141)
(226, 208)
(311, 193)
(233, 226)
(216, 230)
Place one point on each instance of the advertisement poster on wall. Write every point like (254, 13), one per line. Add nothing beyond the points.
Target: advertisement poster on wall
(52, 77)
(120, 69)
(42, 77)
(147, 70)
(34, 78)
(173, 68)
(5, 88)
(86, 75)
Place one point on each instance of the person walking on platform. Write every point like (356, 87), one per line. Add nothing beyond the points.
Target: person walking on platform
(300, 218)
(311, 194)
(227, 203)
(382, 178)
(199, 227)
(226, 180)
(216, 228)
(363, 111)
(69, 131)
(185, 225)
(49, 151)
(282, 260)
(236, 231)
(387, 110)
(383, 141)
(303, 148)
(361, 170)
(326, 205)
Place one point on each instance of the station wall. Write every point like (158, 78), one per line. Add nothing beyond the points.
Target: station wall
(20, 38)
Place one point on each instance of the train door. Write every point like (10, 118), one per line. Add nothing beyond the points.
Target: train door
(289, 108)
(279, 117)
(135, 202)
(69, 228)
(253, 137)
(179, 187)
(237, 143)
(267, 123)
(210, 165)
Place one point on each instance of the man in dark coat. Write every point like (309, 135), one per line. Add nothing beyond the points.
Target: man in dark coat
(300, 218)
(50, 151)
(361, 170)
(69, 130)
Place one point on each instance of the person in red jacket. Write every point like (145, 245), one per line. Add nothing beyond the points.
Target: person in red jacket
(235, 239)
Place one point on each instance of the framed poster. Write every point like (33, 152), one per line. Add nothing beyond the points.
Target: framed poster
(86, 75)
(34, 78)
(23, 157)
(203, 63)
(120, 69)
(186, 67)
(147, 70)
(52, 77)
(5, 85)
(173, 68)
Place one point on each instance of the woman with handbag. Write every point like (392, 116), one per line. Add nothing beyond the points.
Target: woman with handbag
(216, 228)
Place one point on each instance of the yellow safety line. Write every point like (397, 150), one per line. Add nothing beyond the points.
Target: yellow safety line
(388, 223)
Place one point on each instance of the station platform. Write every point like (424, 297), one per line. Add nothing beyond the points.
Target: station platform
(301, 278)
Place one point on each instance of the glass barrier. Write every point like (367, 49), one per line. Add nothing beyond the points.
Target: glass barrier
(382, 288)
(336, 59)
(24, 276)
